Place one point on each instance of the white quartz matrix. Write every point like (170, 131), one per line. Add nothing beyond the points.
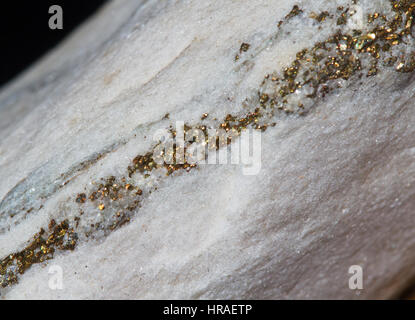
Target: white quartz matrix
(336, 186)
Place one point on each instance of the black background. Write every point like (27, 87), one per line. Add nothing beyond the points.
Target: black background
(264, 310)
(24, 31)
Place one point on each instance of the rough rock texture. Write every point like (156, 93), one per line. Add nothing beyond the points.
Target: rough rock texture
(337, 181)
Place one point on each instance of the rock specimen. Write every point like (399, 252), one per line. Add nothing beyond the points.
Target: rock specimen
(329, 84)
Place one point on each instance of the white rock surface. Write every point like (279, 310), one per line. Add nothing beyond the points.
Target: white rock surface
(336, 187)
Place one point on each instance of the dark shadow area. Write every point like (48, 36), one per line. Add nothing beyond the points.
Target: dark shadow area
(25, 34)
